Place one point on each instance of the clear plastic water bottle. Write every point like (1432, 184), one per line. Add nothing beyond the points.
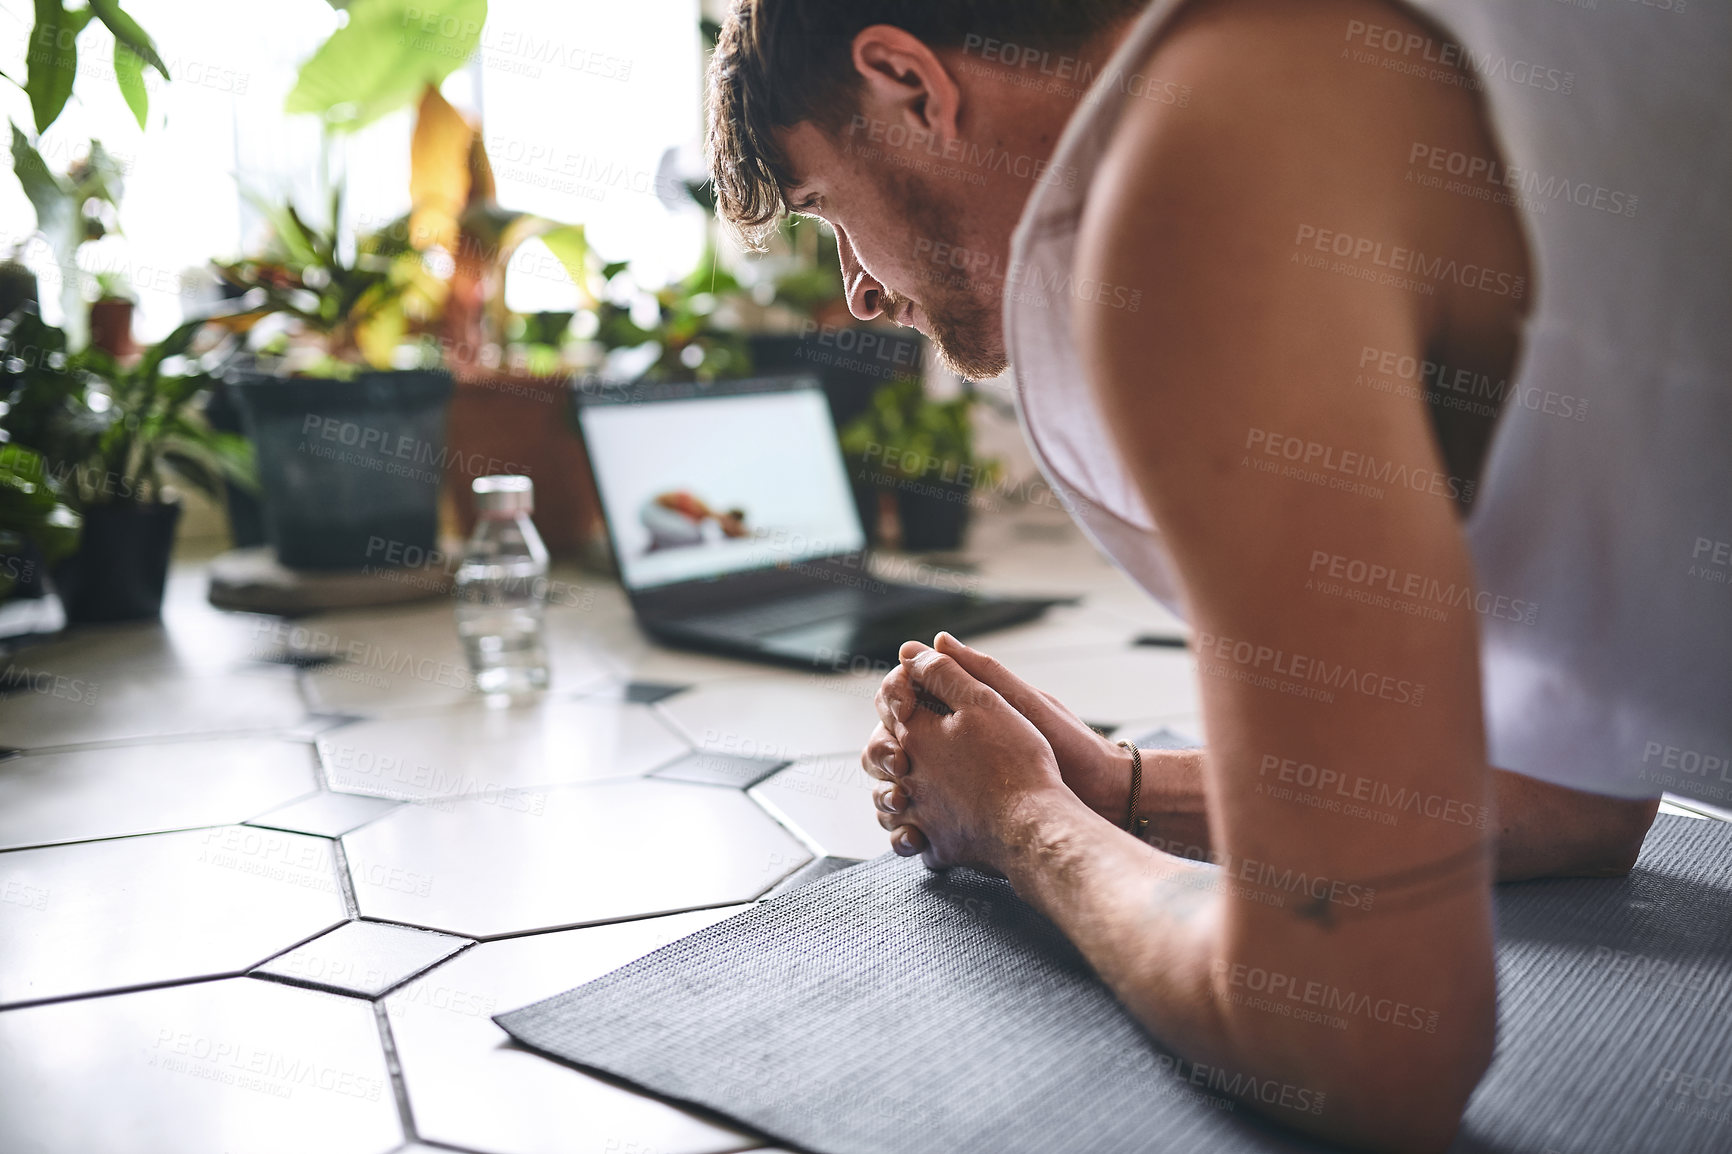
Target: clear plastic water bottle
(502, 589)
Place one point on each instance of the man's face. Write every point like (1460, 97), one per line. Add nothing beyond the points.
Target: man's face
(907, 250)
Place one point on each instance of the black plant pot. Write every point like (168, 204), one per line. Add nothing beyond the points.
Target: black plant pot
(246, 512)
(349, 471)
(934, 514)
(121, 566)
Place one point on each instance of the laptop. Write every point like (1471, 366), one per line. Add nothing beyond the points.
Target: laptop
(735, 530)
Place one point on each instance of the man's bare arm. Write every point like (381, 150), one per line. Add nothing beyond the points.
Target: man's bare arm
(1543, 830)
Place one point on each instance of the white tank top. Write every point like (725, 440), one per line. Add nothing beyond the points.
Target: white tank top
(1601, 533)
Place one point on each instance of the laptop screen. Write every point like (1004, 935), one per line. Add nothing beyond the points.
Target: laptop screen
(699, 487)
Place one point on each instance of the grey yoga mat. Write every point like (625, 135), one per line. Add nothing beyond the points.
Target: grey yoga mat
(888, 1010)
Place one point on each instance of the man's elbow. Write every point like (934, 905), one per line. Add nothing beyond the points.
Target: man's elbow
(1611, 840)
(1409, 1095)
(1548, 831)
(1398, 1090)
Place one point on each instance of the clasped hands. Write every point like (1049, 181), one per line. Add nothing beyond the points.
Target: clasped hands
(971, 758)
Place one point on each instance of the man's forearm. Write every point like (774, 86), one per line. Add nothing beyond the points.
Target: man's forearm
(1543, 830)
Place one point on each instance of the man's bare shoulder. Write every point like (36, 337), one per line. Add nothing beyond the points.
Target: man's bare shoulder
(1289, 134)
(1278, 97)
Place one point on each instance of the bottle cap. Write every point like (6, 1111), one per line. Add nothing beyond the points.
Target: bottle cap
(503, 496)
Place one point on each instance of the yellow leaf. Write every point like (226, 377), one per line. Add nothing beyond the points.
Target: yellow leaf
(379, 335)
(439, 156)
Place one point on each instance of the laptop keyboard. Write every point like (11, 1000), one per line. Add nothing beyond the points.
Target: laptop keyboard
(762, 620)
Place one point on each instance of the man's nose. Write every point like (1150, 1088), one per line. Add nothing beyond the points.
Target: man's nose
(864, 293)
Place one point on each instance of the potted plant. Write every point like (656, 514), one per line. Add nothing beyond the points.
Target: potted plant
(499, 416)
(114, 439)
(345, 410)
(111, 315)
(37, 529)
(71, 209)
(917, 454)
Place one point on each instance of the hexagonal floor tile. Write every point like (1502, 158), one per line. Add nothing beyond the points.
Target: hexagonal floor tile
(708, 768)
(80, 794)
(470, 1087)
(391, 677)
(108, 706)
(362, 958)
(325, 814)
(785, 718)
(829, 801)
(488, 866)
(482, 748)
(209, 1068)
(107, 915)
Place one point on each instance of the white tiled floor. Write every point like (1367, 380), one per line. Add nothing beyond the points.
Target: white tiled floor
(123, 863)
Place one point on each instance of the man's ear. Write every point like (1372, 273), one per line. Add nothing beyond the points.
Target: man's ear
(905, 82)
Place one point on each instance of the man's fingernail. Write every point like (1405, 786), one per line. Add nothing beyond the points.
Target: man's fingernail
(891, 804)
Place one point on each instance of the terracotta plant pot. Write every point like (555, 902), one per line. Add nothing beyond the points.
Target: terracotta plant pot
(507, 423)
(111, 327)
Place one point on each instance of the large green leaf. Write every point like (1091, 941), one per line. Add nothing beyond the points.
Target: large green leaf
(29, 507)
(384, 57)
(52, 60)
(126, 31)
(50, 199)
(571, 250)
(129, 74)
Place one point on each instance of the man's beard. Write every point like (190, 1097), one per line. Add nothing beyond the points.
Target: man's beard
(964, 327)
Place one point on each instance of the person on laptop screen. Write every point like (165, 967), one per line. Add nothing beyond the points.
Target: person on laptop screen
(1387, 343)
(678, 520)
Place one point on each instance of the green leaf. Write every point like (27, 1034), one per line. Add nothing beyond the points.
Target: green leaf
(29, 507)
(52, 60)
(51, 200)
(570, 249)
(129, 74)
(384, 57)
(126, 31)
